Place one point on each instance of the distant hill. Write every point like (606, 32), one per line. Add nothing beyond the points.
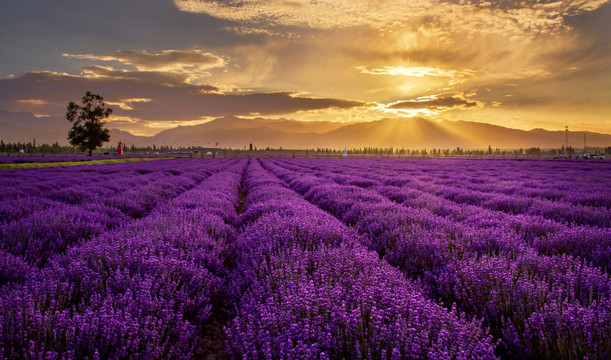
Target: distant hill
(409, 133)
(237, 132)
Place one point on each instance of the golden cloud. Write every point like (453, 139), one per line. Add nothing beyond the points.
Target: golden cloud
(165, 78)
(455, 76)
(128, 104)
(482, 16)
(157, 101)
(441, 45)
(193, 60)
(34, 101)
(439, 102)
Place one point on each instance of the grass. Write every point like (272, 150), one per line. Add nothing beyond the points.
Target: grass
(70, 163)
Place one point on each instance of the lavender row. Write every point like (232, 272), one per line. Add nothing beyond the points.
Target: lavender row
(387, 225)
(487, 221)
(548, 237)
(514, 187)
(556, 210)
(572, 182)
(442, 253)
(592, 243)
(40, 225)
(304, 288)
(569, 193)
(551, 237)
(97, 183)
(144, 291)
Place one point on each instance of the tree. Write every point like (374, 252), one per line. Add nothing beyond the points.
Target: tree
(88, 130)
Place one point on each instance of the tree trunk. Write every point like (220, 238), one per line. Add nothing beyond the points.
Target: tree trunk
(90, 152)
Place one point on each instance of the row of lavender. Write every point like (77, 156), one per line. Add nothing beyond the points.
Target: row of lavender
(492, 264)
(45, 211)
(304, 288)
(144, 289)
(442, 190)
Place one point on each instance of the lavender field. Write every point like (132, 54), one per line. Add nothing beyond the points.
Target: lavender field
(307, 259)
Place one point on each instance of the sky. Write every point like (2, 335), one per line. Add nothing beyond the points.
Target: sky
(162, 63)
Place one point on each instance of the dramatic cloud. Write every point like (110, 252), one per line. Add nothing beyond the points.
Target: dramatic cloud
(165, 60)
(566, 7)
(455, 76)
(334, 14)
(408, 71)
(157, 101)
(199, 105)
(128, 104)
(33, 101)
(155, 77)
(495, 39)
(435, 102)
(190, 66)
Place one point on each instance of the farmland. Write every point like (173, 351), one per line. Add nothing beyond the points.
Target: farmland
(267, 258)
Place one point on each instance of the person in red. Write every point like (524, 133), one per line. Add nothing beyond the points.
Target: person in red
(120, 149)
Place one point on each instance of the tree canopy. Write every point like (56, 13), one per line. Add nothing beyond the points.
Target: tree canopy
(88, 130)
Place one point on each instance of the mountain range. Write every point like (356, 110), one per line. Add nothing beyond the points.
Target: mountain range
(235, 132)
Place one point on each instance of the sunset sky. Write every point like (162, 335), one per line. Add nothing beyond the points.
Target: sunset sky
(162, 63)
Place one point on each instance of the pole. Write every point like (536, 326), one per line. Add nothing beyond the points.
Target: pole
(566, 148)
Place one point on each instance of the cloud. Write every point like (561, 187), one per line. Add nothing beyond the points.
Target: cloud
(33, 101)
(434, 102)
(430, 46)
(128, 104)
(262, 55)
(336, 14)
(566, 7)
(246, 30)
(158, 77)
(153, 101)
(196, 106)
(456, 76)
(190, 66)
(165, 60)
(415, 71)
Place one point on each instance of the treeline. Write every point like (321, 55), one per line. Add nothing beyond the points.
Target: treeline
(34, 148)
(458, 151)
(372, 151)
